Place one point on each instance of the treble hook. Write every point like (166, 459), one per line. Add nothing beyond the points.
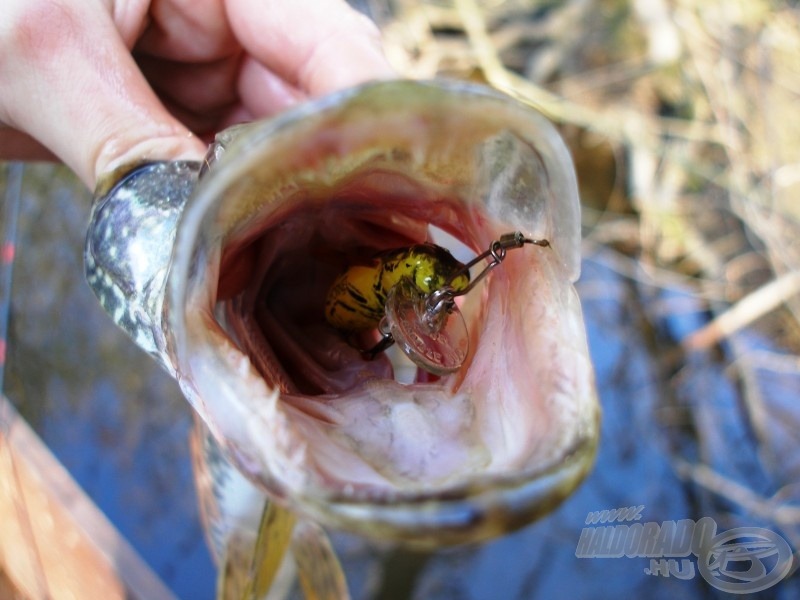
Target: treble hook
(443, 298)
(441, 302)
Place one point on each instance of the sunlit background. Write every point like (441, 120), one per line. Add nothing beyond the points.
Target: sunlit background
(681, 117)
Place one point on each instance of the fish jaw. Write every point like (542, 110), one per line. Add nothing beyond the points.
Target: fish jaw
(298, 411)
(129, 241)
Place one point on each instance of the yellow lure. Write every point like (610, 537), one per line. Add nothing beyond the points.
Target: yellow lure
(357, 299)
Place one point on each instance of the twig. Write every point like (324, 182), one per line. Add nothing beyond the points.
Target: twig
(708, 478)
(744, 312)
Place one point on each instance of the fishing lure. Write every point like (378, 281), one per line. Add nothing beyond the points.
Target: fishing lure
(357, 299)
(409, 294)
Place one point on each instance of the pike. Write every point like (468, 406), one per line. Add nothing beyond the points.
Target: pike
(220, 271)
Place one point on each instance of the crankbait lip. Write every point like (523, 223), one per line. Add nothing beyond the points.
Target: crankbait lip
(438, 344)
(429, 328)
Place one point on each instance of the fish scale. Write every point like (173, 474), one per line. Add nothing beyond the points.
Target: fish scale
(127, 256)
(229, 503)
(129, 247)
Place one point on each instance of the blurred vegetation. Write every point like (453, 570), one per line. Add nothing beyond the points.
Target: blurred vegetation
(113, 418)
(680, 116)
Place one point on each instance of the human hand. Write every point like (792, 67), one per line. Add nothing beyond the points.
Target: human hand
(100, 83)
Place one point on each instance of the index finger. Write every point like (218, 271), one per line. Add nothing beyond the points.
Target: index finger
(318, 46)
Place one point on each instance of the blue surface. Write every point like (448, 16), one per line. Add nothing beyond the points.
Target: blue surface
(120, 425)
(104, 408)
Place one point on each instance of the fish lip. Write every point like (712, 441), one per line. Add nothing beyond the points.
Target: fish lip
(399, 515)
(464, 513)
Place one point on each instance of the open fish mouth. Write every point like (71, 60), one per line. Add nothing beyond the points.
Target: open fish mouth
(379, 446)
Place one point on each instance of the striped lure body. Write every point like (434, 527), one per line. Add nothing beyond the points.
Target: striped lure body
(357, 298)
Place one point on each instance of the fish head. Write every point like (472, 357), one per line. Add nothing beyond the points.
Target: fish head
(380, 447)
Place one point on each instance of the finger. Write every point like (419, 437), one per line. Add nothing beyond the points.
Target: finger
(263, 92)
(187, 31)
(204, 97)
(92, 107)
(317, 45)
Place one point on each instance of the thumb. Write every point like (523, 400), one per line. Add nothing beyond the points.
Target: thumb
(69, 81)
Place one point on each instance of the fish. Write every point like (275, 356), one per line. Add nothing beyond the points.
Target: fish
(220, 270)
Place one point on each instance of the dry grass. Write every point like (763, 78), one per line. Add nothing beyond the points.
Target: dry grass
(681, 118)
